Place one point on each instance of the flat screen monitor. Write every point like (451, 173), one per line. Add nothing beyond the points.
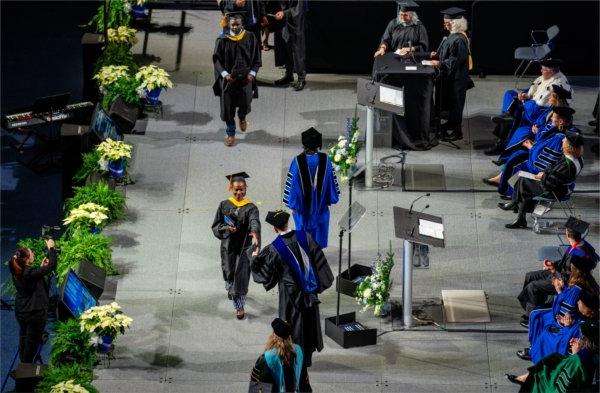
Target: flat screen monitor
(103, 126)
(75, 295)
(51, 103)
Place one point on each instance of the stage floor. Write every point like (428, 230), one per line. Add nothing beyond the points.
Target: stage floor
(185, 337)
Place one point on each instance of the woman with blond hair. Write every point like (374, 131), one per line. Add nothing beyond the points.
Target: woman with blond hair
(282, 364)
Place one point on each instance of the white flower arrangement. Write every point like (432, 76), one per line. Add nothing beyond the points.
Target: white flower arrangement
(374, 290)
(109, 75)
(344, 153)
(106, 320)
(141, 2)
(87, 215)
(122, 35)
(153, 77)
(113, 151)
(68, 387)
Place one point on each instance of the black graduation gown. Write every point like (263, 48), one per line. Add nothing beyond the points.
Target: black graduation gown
(299, 309)
(254, 10)
(294, 34)
(397, 36)
(454, 80)
(232, 56)
(236, 247)
(262, 373)
(556, 180)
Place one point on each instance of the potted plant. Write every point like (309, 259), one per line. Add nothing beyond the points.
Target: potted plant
(110, 74)
(344, 153)
(126, 87)
(118, 14)
(116, 54)
(94, 248)
(122, 35)
(114, 156)
(88, 217)
(78, 374)
(71, 345)
(101, 194)
(153, 79)
(106, 322)
(68, 387)
(374, 290)
(91, 165)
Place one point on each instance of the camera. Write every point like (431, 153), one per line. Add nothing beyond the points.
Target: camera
(48, 231)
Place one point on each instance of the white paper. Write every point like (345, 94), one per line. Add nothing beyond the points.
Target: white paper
(391, 96)
(514, 178)
(427, 62)
(411, 68)
(431, 229)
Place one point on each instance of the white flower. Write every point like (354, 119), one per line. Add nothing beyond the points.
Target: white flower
(350, 161)
(337, 158)
(367, 293)
(153, 77)
(342, 142)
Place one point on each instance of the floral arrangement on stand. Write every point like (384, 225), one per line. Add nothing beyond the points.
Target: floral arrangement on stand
(153, 79)
(374, 290)
(122, 35)
(114, 156)
(89, 217)
(105, 322)
(344, 153)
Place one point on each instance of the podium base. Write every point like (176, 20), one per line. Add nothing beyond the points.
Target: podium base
(349, 333)
(350, 279)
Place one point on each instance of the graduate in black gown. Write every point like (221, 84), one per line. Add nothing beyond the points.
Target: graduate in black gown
(405, 32)
(296, 264)
(556, 181)
(236, 60)
(294, 35)
(452, 58)
(254, 14)
(237, 225)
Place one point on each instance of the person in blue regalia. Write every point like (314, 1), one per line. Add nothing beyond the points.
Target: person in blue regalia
(296, 264)
(311, 187)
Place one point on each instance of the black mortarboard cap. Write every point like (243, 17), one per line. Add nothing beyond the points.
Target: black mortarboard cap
(240, 176)
(232, 14)
(312, 139)
(453, 13)
(589, 329)
(561, 92)
(407, 5)
(278, 218)
(281, 328)
(552, 63)
(575, 139)
(582, 263)
(577, 225)
(564, 111)
(589, 299)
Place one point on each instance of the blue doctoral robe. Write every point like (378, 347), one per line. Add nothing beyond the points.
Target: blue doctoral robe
(310, 188)
(546, 335)
(524, 132)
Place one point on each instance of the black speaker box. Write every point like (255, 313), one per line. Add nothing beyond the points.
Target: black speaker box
(124, 115)
(92, 276)
(74, 141)
(27, 376)
(91, 49)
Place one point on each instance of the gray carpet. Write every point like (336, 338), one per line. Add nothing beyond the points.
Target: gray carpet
(184, 336)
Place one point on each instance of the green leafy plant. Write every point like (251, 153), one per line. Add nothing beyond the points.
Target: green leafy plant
(374, 290)
(94, 248)
(126, 87)
(72, 345)
(57, 374)
(100, 194)
(38, 246)
(115, 54)
(90, 164)
(117, 15)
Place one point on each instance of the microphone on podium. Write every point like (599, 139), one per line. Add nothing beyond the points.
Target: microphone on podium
(413, 203)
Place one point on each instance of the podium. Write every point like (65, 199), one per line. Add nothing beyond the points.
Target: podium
(407, 227)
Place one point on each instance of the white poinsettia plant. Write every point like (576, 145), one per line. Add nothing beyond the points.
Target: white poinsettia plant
(111, 150)
(68, 387)
(122, 35)
(107, 320)
(140, 2)
(374, 290)
(87, 215)
(110, 74)
(345, 152)
(153, 77)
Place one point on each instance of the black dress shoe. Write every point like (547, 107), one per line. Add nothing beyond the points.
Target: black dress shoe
(513, 378)
(524, 323)
(489, 182)
(519, 223)
(506, 206)
(496, 162)
(524, 354)
(286, 80)
(494, 150)
(506, 198)
(300, 84)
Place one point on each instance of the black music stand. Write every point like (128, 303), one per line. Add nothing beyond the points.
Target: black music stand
(406, 227)
(344, 329)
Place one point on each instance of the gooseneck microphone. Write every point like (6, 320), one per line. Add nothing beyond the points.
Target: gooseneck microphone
(410, 51)
(413, 202)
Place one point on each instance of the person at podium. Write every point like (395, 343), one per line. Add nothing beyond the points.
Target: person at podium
(452, 58)
(405, 33)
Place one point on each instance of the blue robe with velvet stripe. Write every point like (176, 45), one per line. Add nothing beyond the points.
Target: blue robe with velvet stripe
(310, 188)
(524, 132)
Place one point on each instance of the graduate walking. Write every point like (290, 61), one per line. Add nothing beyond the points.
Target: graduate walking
(237, 225)
(296, 264)
(311, 187)
(236, 60)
